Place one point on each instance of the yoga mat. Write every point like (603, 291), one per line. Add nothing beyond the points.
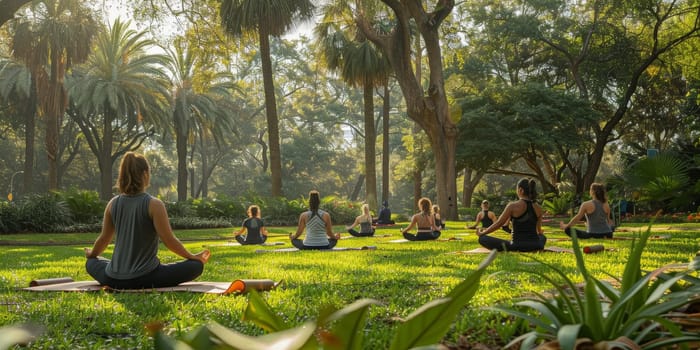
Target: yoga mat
(482, 250)
(336, 249)
(66, 284)
(451, 239)
(349, 236)
(236, 244)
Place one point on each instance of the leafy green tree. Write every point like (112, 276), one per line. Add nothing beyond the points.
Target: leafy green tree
(56, 36)
(360, 63)
(119, 95)
(266, 18)
(201, 103)
(598, 49)
(16, 84)
(428, 108)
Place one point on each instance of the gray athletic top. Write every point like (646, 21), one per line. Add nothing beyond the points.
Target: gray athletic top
(597, 221)
(315, 229)
(136, 242)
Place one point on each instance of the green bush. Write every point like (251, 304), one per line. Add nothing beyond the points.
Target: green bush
(558, 205)
(43, 213)
(634, 309)
(9, 218)
(85, 207)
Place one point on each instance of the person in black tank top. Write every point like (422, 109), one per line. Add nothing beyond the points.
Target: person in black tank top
(526, 216)
(254, 228)
(486, 218)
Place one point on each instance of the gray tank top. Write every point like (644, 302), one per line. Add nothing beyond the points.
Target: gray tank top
(315, 229)
(136, 240)
(597, 221)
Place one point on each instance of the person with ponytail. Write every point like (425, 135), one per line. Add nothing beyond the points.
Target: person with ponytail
(424, 221)
(317, 223)
(365, 222)
(137, 222)
(254, 228)
(599, 224)
(525, 215)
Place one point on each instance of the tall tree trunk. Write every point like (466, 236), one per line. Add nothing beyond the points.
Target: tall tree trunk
(385, 142)
(29, 137)
(358, 186)
(271, 112)
(370, 148)
(181, 150)
(471, 179)
(105, 158)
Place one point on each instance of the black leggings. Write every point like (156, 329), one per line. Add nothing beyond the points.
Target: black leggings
(298, 243)
(244, 240)
(584, 234)
(520, 246)
(352, 232)
(168, 275)
(422, 236)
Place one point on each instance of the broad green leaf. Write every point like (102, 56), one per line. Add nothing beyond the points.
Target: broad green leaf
(290, 339)
(567, 335)
(593, 313)
(260, 313)
(429, 323)
(348, 325)
(534, 320)
(163, 342)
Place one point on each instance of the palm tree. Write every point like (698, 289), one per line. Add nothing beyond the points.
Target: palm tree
(16, 84)
(201, 100)
(120, 90)
(345, 49)
(58, 35)
(266, 18)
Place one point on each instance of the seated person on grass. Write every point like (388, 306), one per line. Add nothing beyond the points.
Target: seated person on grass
(137, 221)
(384, 217)
(486, 218)
(599, 224)
(317, 223)
(526, 216)
(254, 228)
(424, 220)
(365, 222)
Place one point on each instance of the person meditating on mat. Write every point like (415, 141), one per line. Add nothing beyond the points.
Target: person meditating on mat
(384, 217)
(439, 223)
(138, 221)
(486, 218)
(365, 222)
(599, 224)
(254, 228)
(319, 230)
(424, 220)
(526, 216)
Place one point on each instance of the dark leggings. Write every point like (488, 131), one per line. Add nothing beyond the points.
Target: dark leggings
(244, 240)
(520, 246)
(167, 275)
(298, 243)
(422, 236)
(352, 232)
(584, 234)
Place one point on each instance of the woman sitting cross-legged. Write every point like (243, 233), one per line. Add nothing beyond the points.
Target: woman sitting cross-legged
(526, 216)
(137, 221)
(424, 220)
(365, 222)
(254, 228)
(597, 213)
(317, 223)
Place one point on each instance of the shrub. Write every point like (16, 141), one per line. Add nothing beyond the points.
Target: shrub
(86, 207)
(558, 205)
(635, 312)
(9, 218)
(43, 212)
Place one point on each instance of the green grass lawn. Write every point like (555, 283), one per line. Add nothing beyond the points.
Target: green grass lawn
(402, 276)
